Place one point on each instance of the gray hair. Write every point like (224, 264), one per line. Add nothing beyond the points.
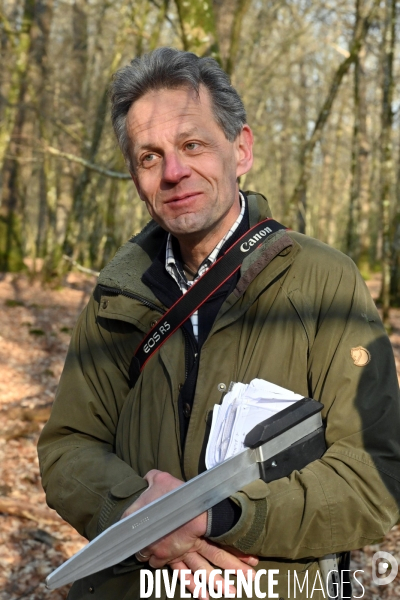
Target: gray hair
(171, 69)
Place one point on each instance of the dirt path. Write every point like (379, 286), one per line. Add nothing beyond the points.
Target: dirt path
(36, 326)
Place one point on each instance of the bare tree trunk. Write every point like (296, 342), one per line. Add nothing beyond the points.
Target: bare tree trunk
(21, 93)
(359, 155)
(80, 58)
(18, 82)
(302, 196)
(386, 152)
(333, 192)
(364, 163)
(284, 151)
(41, 101)
(359, 36)
(395, 273)
(374, 208)
(30, 113)
(240, 12)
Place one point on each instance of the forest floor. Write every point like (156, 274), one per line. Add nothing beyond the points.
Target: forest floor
(36, 326)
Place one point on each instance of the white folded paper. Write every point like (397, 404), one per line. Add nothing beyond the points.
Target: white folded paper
(243, 407)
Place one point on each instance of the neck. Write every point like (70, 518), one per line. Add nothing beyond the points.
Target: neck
(193, 256)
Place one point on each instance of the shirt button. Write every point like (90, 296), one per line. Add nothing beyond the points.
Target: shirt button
(221, 387)
(180, 386)
(153, 323)
(187, 409)
(104, 304)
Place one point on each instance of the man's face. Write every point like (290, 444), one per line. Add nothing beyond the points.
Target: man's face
(185, 169)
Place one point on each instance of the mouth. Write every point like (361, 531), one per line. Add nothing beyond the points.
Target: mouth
(182, 197)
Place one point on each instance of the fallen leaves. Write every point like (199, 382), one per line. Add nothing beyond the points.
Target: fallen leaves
(34, 540)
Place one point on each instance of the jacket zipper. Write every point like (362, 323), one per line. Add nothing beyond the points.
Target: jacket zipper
(190, 348)
(187, 342)
(119, 292)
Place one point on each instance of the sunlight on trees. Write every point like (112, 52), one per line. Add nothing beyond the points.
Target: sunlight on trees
(319, 81)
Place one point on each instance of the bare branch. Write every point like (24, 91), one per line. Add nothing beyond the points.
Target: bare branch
(339, 49)
(80, 267)
(87, 164)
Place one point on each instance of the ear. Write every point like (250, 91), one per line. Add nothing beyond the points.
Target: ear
(244, 149)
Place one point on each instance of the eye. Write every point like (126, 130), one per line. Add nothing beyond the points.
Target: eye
(148, 160)
(192, 145)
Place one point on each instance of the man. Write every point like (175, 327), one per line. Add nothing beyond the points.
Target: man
(297, 314)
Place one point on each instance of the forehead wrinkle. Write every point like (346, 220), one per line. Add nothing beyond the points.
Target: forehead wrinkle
(169, 113)
(152, 121)
(186, 110)
(177, 135)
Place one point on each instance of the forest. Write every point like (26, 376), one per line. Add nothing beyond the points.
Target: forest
(319, 81)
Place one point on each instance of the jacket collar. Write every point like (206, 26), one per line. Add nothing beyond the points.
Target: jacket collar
(124, 272)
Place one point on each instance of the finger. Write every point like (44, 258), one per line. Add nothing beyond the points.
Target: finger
(222, 558)
(249, 559)
(160, 554)
(196, 562)
(190, 582)
(143, 556)
(149, 477)
(157, 563)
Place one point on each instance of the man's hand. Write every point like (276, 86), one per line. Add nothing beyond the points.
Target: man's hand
(185, 548)
(206, 558)
(180, 541)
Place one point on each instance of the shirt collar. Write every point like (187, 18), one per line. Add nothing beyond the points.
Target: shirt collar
(175, 269)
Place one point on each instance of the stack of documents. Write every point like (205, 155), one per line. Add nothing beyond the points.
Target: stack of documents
(243, 407)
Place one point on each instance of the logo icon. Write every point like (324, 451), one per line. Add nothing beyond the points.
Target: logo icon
(360, 356)
(384, 565)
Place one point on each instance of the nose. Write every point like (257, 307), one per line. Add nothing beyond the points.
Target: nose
(174, 168)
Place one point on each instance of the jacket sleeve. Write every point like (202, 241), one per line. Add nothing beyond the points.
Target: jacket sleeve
(84, 480)
(350, 497)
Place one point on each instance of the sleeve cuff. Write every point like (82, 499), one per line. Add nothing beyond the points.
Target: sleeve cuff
(222, 517)
(119, 498)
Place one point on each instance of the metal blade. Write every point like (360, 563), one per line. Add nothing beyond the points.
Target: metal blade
(174, 509)
(158, 518)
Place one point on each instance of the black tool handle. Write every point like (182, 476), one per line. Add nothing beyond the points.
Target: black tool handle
(282, 421)
(298, 455)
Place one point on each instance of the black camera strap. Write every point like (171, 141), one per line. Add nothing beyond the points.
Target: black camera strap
(202, 289)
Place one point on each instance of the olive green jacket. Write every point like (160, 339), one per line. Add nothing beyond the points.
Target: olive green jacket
(299, 312)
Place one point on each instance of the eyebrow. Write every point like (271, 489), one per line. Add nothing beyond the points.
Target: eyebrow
(187, 133)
